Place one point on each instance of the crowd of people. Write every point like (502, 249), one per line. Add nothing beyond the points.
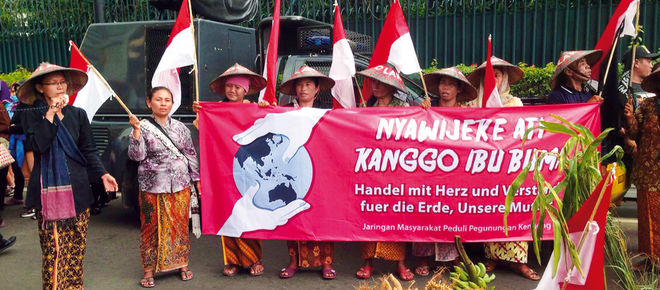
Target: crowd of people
(56, 157)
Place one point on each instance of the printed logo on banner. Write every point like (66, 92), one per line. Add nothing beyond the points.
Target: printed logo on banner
(272, 171)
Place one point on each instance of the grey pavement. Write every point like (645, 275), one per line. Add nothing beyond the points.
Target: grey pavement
(113, 259)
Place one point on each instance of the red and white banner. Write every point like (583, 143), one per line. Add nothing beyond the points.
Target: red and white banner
(623, 15)
(491, 96)
(373, 174)
(269, 94)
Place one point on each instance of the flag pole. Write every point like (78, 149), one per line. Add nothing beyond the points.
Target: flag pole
(195, 66)
(634, 47)
(121, 103)
(609, 61)
(362, 103)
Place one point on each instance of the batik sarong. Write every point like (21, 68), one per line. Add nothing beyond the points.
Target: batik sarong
(515, 252)
(164, 240)
(241, 252)
(648, 226)
(441, 251)
(312, 253)
(392, 251)
(62, 251)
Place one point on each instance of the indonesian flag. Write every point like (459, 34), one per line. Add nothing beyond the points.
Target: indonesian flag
(268, 94)
(95, 92)
(592, 251)
(623, 15)
(180, 52)
(394, 46)
(491, 96)
(342, 68)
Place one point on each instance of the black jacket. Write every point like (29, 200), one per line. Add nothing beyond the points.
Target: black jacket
(41, 132)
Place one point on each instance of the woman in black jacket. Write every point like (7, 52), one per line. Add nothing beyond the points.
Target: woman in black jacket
(65, 159)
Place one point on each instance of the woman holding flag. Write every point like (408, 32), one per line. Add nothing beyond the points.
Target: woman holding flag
(167, 171)
(512, 253)
(386, 82)
(306, 84)
(65, 160)
(453, 90)
(234, 84)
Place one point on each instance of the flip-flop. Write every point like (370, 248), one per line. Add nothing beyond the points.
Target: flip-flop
(422, 271)
(147, 282)
(403, 275)
(186, 275)
(328, 273)
(257, 269)
(365, 272)
(288, 272)
(230, 270)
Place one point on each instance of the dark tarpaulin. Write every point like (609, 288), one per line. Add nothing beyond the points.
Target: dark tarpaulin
(228, 11)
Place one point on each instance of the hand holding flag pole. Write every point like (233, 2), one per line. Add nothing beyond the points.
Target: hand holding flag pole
(89, 64)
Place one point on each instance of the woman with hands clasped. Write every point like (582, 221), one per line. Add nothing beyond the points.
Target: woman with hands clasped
(65, 160)
(642, 126)
(168, 168)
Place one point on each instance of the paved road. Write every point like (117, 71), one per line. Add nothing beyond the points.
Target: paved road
(113, 259)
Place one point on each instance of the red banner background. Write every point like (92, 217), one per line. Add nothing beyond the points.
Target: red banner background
(434, 204)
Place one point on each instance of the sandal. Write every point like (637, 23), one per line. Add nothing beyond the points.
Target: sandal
(406, 274)
(186, 275)
(257, 269)
(328, 273)
(525, 271)
(230, 270)
(365, 272)
(288, 272)
(147, 282)
(422, 271)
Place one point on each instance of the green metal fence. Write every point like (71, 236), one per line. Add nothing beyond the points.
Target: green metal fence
(448, 31)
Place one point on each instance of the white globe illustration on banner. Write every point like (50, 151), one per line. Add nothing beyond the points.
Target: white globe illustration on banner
(280, 182)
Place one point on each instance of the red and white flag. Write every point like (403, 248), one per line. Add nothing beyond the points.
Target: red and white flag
(342, 68)
(491, 97)
(592, 234)
(394, 46)
(623, 16)
(268, 94)
(180, 52)
(95, 92)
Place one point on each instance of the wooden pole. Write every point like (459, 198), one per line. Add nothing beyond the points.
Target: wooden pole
(609, 61)
(195, 67)
(634, 48)
(362, 103)
(426, 92)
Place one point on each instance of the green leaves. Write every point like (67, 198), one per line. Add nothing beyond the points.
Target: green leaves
(579, 164)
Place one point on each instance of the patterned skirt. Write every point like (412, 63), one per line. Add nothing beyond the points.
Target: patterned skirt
(241, 252)
(442, 251)
(648, 231)
(515, 252)
(392, 251)
(63, 250)
(164, 240)
(311, 253)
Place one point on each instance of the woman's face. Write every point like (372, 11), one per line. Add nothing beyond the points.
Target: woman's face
(160, 103)
(381, 90)
(234, 93)
(306, 90)
(53, 86)
(448, 89)
(498, 78)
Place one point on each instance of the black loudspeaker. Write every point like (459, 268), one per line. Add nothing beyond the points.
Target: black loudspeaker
(228, 11)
